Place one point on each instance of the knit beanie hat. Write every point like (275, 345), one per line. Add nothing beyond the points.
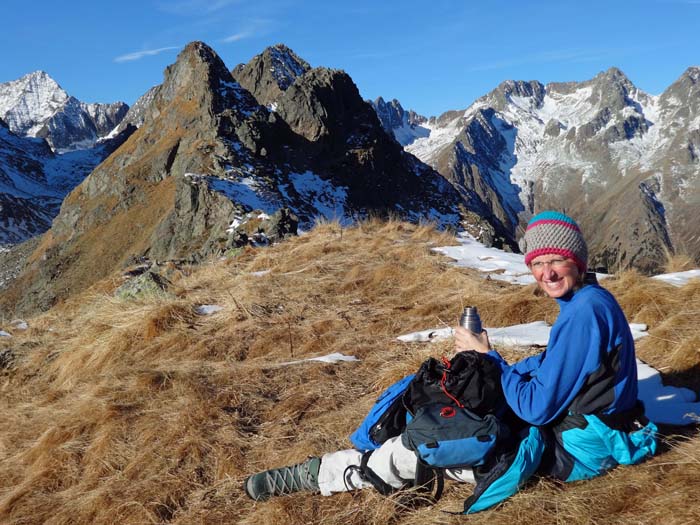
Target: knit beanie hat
(553, 232)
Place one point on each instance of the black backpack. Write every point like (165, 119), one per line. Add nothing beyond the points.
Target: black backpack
(452, 414)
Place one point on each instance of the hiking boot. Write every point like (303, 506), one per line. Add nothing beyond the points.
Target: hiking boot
(283, 480)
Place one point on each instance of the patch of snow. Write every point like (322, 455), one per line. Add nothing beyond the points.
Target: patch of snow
(496, 264)
(438, 138)
(65, 171)
(407, 133)
(208, 309)
(248, 191)
(435, 334)
(529, 334)
(666, 404)
(678, 278)
(638, 330)
(3, 333)
(335, 357)
(321, 195)
(524, 335)
(235, 223)
(571, 109)
(260, 273)
(19, 324)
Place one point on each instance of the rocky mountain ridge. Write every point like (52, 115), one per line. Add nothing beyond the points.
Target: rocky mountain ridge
(34, 180)
(212, 158)
(622, 161)
(405, 126)
(36, 106)
(49, 142)
(207, 155)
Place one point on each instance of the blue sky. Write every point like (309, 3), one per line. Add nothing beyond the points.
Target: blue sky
(432, 56)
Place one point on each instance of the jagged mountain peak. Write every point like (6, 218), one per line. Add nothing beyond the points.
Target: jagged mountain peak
(688, 81)
(405, 126)
(199, 78)
(613, 78)
(27, 102)
(270, 73)
(35, 105)
(321, 102)
(613, 73)
(693, 73)
(38, 77)
(508, 89)
(287, 65)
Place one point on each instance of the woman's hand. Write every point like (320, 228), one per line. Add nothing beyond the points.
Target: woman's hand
(468, 340)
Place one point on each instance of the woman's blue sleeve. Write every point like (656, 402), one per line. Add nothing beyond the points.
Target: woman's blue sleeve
(540, 387)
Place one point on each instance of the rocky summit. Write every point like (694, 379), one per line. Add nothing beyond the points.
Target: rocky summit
(623, 162)
(405, 126)
(206, 158)
(49, 142)
(36, 106)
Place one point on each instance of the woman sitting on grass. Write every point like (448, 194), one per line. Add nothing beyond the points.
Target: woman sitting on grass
(581, 392)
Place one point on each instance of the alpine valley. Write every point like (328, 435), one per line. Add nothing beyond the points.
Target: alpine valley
(213, 159)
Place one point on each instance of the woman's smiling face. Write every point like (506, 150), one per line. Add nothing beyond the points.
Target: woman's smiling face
(555, 275)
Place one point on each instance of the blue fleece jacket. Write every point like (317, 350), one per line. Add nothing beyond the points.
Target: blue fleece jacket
(540, 387)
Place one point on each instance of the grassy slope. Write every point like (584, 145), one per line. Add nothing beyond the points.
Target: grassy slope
(141, 412)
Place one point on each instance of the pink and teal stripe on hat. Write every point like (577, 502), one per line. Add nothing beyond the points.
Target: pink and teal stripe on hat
(552, 232)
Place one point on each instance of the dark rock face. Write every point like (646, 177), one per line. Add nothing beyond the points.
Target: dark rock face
(344, 137)
(21, 218)
(270, 73)
(28, 201)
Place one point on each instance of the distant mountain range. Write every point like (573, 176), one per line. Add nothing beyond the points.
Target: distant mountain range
(36, 106)
(208, 153)
(625, 163)
(49, 142)
(212, 158)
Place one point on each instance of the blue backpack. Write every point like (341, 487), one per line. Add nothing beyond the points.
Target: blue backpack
(386, 419)
(451, 414)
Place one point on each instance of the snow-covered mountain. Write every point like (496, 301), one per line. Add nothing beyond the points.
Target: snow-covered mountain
(34, 181)
(36, 106)
(405, 126)
(49, 142)
(624, 162)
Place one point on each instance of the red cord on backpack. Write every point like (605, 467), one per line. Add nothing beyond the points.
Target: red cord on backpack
(447, 364)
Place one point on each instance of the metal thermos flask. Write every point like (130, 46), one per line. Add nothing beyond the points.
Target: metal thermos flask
(470, 319)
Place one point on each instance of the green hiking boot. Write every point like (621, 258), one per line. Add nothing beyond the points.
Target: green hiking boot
(283, 480)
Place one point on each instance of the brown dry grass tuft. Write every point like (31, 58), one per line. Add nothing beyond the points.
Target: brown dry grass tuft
(678, 262)
(145, 412)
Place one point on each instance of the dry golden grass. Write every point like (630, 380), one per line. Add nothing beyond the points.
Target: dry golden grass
(144, 412)
(678, 262)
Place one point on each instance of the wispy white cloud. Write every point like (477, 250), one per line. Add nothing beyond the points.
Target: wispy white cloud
(186, 7)
(237, 36)
(138, 55)
(252, 28)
